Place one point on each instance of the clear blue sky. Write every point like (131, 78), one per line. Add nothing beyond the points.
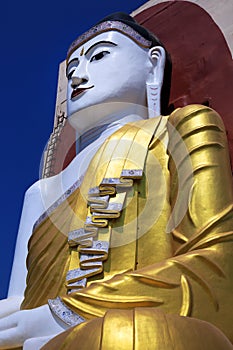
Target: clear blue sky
(36, 37)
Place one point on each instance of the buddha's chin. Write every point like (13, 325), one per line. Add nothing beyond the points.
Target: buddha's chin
(93, 115)
(103, 113)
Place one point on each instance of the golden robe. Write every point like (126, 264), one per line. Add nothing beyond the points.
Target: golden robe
(168, 276)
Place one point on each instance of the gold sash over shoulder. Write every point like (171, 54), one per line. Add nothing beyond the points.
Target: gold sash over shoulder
(187, 271)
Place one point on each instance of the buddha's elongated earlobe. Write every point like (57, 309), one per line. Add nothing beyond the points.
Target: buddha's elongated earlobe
(154, 84)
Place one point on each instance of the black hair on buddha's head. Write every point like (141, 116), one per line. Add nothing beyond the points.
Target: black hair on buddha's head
(145, 33)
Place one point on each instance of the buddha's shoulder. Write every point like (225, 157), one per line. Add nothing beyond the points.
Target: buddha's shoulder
(195, 114)
(179, 115)
(190, 117)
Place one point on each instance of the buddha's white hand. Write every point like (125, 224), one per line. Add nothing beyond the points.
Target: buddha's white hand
(10, 305)
(24, 325)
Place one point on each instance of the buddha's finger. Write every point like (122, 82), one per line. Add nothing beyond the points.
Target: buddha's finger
(10, 338)
(7, 323)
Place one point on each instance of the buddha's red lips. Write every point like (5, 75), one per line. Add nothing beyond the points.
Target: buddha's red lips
(78, 91)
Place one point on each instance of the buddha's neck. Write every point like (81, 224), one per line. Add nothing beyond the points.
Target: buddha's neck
(93, 120)
(90, 136)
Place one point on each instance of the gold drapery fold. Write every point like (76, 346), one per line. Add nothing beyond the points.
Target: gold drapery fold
(48, 256)
(142, 328)
(199, 279)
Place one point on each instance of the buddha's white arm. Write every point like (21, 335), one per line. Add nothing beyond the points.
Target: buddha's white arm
(33, 207)
(36, 200)
(39, 197)
(19, 326)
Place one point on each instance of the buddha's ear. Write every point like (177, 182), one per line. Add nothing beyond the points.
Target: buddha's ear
(157, 56)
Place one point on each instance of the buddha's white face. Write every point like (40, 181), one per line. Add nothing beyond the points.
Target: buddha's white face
(108, 68)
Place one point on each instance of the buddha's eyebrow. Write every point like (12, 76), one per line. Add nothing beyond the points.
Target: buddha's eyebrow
(98, 43)
(74, 60)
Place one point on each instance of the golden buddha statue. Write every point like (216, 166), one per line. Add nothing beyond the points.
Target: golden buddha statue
(147, 263)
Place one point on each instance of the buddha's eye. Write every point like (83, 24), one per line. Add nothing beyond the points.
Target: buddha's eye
(69, 75)
(99, 56)
(72, 65)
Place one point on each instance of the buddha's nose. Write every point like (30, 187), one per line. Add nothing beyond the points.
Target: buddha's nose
(76, 81)
(79, 77)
